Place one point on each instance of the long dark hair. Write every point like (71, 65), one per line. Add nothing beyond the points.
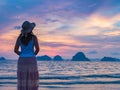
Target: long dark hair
(25, 39)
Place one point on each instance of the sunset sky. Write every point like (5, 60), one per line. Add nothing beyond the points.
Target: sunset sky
(63, 27)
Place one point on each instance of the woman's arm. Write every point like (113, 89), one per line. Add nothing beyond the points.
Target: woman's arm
(36, 45)
(16, 48)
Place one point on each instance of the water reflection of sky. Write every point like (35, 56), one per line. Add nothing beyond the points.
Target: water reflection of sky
(66, 68)
(67, 74)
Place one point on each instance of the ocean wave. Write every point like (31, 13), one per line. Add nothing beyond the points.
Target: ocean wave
(10, 78)
(65, 77)
(69, 77)
(70, 83)
(80, 82)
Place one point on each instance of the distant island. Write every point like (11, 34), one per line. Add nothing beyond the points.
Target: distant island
(58, 58)
(44, 58)
(109, 59)
(48, 58)
(80, 56)
(2, 58)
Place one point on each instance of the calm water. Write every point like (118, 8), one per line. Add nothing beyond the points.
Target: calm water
(65, 74)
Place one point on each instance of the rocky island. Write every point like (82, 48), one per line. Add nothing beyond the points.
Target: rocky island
(44, 58)
(2, 58)
(80, 56)
(57, 58)
(110, 59)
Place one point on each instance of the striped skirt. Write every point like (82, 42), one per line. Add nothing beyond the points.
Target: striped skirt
(27, 73)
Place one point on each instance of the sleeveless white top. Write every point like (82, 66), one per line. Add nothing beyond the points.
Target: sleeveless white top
(27, 51)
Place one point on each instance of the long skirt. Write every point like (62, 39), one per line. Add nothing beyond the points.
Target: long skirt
(27, 74)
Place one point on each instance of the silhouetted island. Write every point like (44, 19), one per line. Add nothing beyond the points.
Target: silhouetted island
(44, 58)
(80, 56)
(2, 58)
(110, 59)
(57, 58)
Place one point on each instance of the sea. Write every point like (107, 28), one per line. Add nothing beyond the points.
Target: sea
(66, 75)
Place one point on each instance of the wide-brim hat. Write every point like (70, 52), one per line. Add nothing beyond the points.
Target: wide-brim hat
(27, 27)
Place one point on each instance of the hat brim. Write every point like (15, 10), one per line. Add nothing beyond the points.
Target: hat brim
(32, 25)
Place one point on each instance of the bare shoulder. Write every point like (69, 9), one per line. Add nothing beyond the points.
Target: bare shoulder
(35, 37)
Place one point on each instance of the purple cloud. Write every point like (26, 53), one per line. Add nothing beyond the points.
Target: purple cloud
(58, 44)
(93, 52)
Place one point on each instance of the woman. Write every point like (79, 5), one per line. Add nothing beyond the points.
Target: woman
(27, 71)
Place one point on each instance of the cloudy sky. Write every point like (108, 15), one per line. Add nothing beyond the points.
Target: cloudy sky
(64, 27)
